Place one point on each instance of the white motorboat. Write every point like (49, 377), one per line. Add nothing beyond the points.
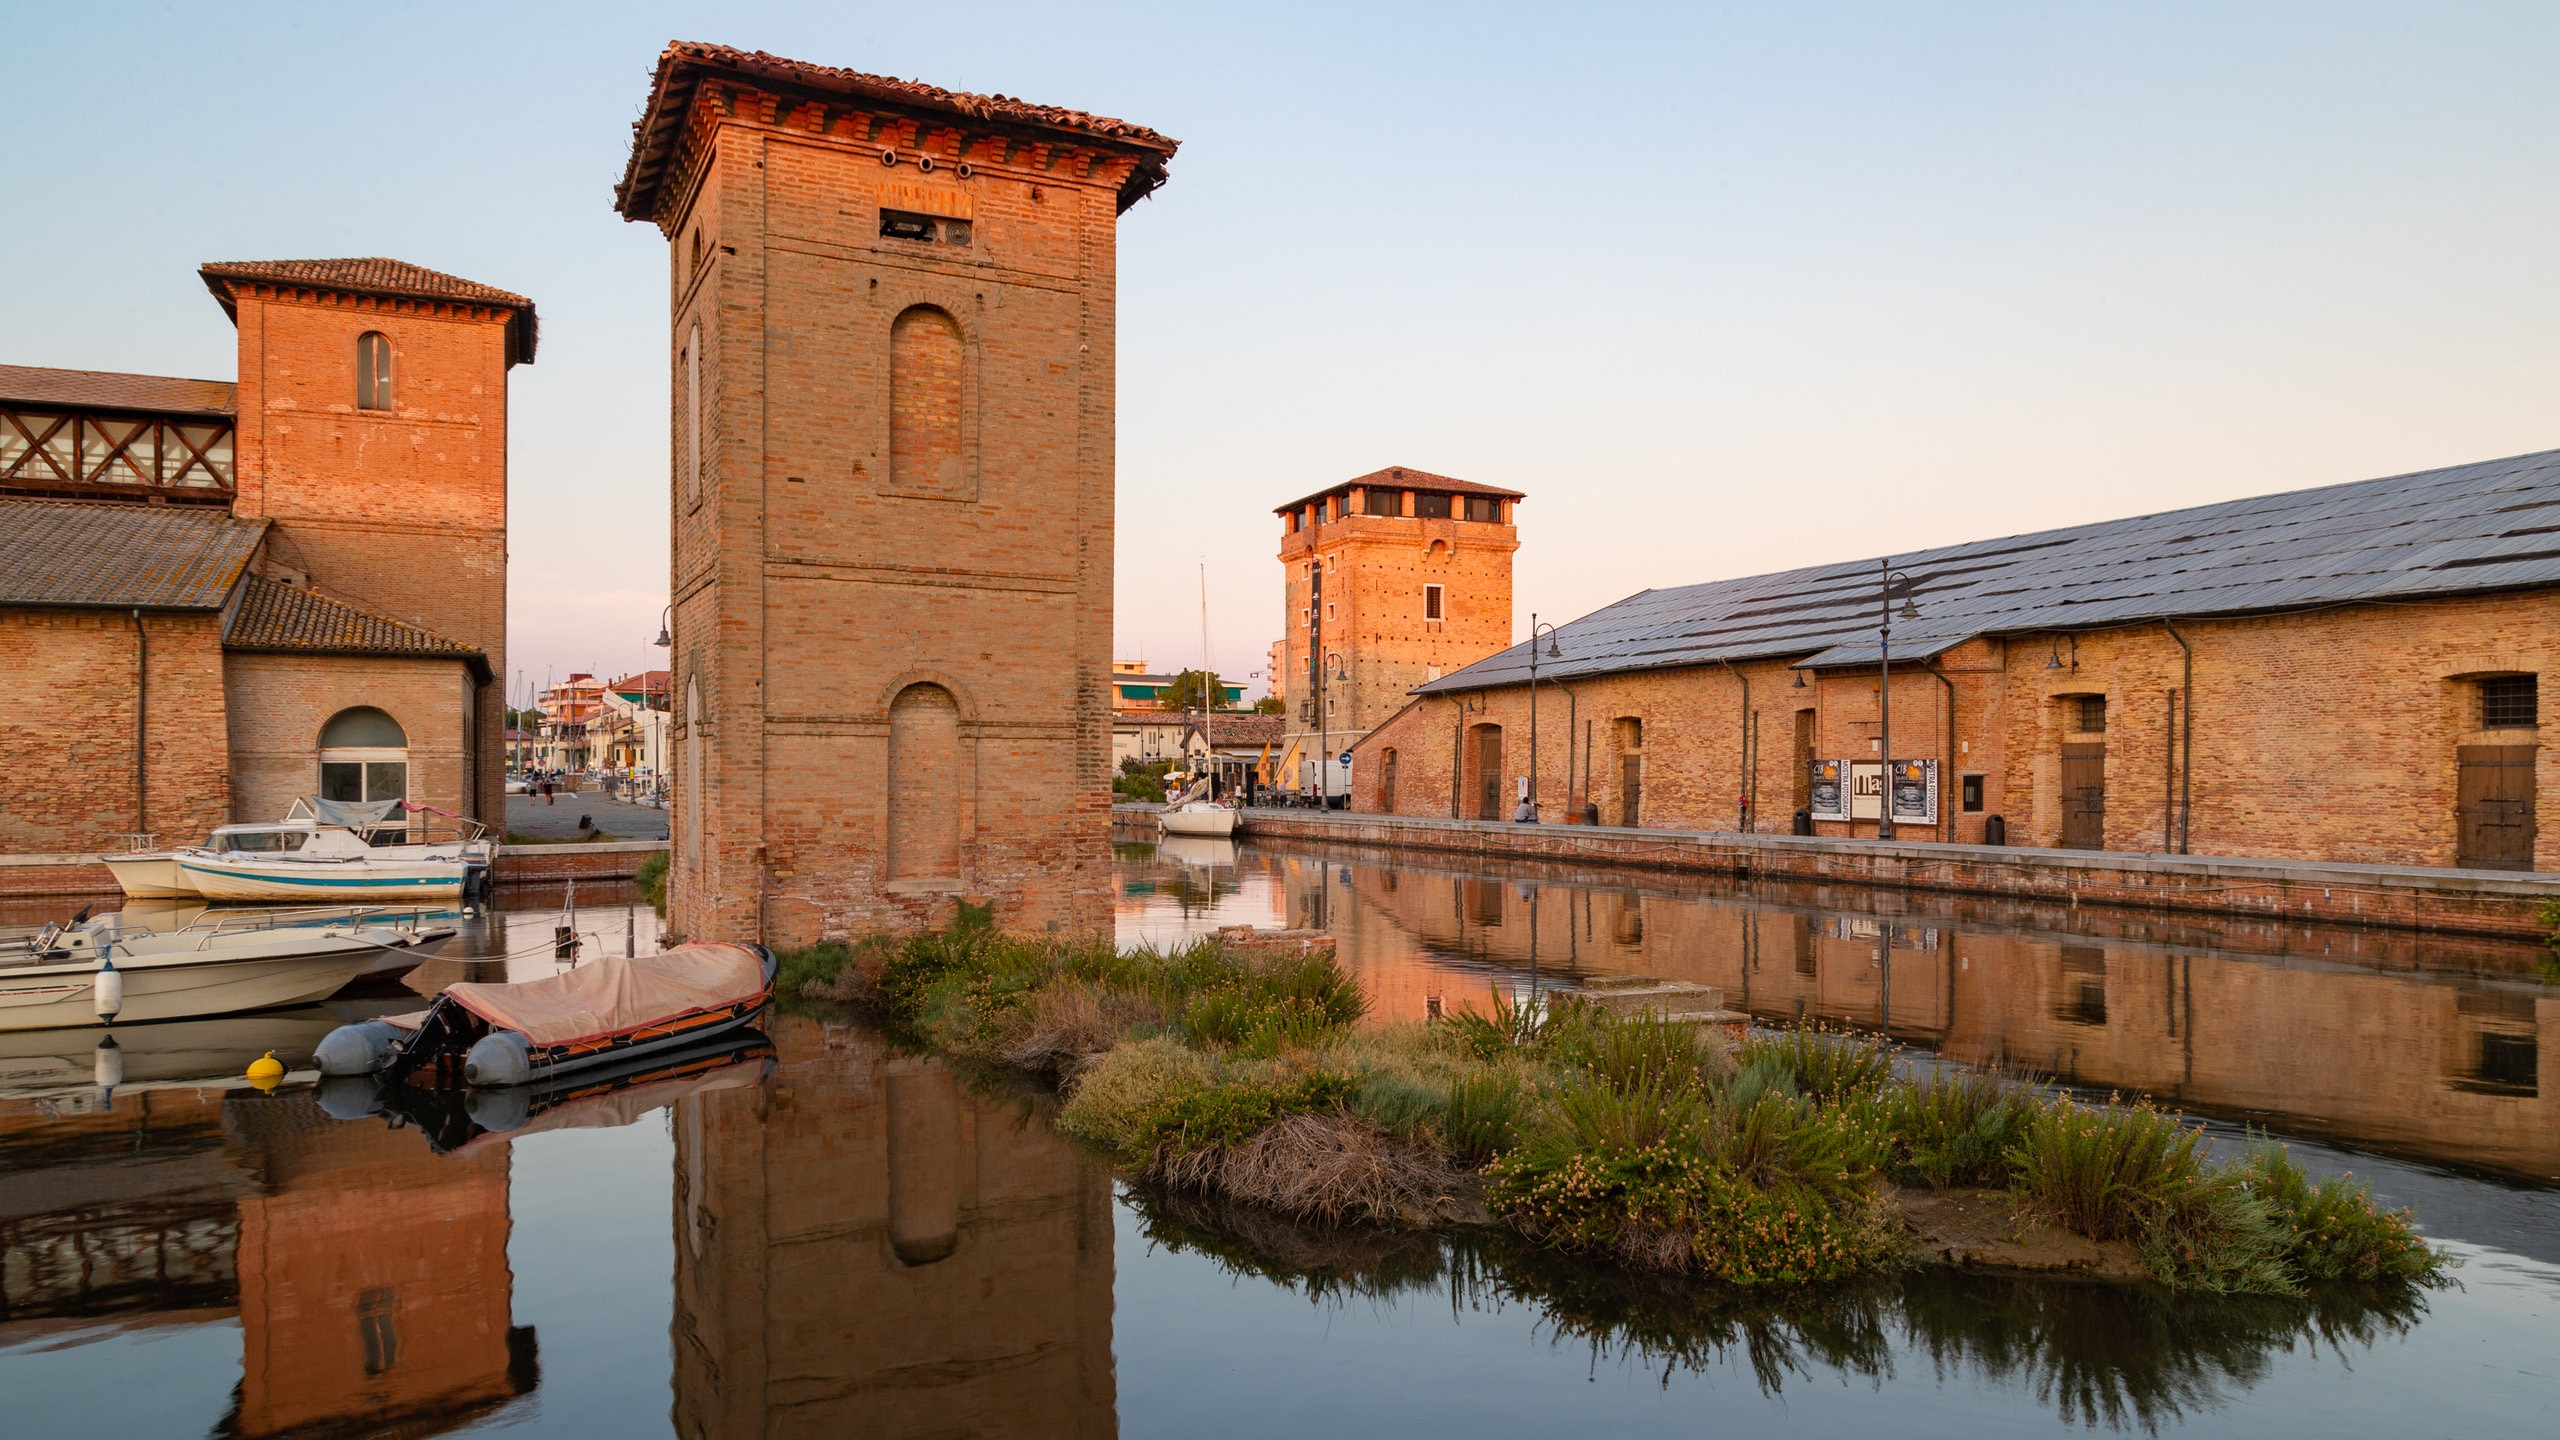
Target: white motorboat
(1197, 817)
(77, 974)
(318, 853)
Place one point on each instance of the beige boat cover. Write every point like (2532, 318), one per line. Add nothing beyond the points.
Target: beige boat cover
(611, 994)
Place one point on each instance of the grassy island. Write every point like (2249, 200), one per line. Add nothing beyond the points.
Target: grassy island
(1242, 1076)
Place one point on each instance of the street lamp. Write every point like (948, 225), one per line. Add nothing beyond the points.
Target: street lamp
(666, 637)
(1889, 577)
(1554, 654)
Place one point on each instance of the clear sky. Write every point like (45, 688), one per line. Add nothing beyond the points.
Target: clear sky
(1723, 288)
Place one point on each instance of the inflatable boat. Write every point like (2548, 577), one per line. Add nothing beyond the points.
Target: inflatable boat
(607, 1011)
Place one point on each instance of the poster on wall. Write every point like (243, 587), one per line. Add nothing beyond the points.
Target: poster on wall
(1915, 792)
(1830, 790)
(1866, 790)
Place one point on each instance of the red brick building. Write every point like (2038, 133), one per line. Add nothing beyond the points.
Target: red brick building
(218, 596)
(2349, 673)
(891, 341)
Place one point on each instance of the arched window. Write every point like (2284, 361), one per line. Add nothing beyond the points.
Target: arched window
(364, 755)
(373, 371)
(925, 363)
(925, 784)
(693, 415)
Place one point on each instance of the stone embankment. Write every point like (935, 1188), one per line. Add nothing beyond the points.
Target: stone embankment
(2408, 897)
(34, 875)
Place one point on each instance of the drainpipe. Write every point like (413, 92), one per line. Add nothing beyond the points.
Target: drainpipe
(1742, 791)
(1457, 752)
(141, 720)
(1948, 789)
(2187, 737)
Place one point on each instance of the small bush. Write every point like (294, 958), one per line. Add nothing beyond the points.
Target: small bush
(1511, 1027)
(1826, 1068)
(2332, 1229)
(819, 964)
(1955, 1129)
(651, 877)
(2107, 1173)
(1484, 1116)
(1633, 1053)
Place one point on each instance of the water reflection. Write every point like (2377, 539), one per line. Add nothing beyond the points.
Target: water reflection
(2425, 1046)
(368, 1278)
(866, 1247)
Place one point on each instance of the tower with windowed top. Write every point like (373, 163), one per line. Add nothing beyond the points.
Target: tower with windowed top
(1393, 580)
(891, 348)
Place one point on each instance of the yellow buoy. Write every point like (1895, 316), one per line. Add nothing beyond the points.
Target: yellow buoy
(265, 1071)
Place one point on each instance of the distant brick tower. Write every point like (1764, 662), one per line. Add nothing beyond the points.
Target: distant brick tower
(1394, 579)
(892, 361)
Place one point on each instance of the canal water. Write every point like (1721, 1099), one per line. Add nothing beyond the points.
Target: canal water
(824, 1235)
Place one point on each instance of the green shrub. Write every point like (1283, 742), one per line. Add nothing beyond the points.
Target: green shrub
(816, 965)
(1156, 1097)
(1824, 1067)
(1955, 1128)
(651, 877)
(1511, 1027)
(1484, 1115)
(2107, 1172)
(1261, 1008)
(2332, 1229)
(1635, 1052)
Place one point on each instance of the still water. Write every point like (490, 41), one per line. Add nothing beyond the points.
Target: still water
(825, 1236)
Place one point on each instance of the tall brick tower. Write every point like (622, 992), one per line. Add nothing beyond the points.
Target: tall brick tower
(892, 366)
(1394, 579)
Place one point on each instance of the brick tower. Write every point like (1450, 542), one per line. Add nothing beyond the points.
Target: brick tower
(1395, 578)
(892, 365)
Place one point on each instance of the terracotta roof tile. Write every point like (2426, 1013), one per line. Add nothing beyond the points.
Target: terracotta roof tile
(117, 556)
(372, 275)
(1403, 477)
(113, 390)
(288, 619)
(681, 65)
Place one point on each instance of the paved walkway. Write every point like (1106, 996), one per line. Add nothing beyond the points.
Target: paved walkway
(528, 815)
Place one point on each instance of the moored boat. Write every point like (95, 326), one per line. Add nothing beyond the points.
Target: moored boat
(1197, 817)
(605, 1012)
(77, 974)
(322, 851)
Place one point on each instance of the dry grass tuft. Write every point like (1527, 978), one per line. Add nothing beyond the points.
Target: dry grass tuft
(1074, 1023)
(1328, 1168)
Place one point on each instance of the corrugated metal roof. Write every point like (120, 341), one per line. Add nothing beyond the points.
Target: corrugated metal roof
(113, 390)
(287, 619)
(122, 556)
(2489, 526)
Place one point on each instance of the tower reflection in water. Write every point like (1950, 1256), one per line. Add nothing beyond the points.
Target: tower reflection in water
(865, 1247)
(368, 1275)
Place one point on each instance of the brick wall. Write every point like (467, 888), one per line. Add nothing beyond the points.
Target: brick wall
(401, 512)
(67, 733)
(2327, 736)
(280, 703)
(859, 527)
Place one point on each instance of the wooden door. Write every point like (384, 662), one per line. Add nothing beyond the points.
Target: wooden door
(1387, 784)
(2494, 807)
(2084, 795)
(1630, 789)
(1804, 760)
(1489, 773)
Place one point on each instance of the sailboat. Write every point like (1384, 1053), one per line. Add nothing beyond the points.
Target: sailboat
(1193, 812)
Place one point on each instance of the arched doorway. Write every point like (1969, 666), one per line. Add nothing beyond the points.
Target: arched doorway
(925, 783)
(364, 758)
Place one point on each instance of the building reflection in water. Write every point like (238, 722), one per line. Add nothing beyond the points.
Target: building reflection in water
(2428, 1046)
(865, 1247)
(368, 1275)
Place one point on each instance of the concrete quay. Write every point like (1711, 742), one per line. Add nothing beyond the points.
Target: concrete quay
(2404, 897)
(38, 875)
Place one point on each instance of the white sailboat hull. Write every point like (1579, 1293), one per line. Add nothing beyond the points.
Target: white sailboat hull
(1212, 820)
(48, 997)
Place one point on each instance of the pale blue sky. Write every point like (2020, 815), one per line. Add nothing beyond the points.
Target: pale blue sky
(1723, 288)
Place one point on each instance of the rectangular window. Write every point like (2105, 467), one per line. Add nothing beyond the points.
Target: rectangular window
(2093, 714)
(1484, 509)
(1383, 502)
(901, 225)
(1431, 603)
(1342, 506)
(2510, 700)
(1972, 794)
(1431, 507)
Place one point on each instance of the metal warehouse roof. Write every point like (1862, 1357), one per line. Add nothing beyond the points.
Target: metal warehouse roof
(2490, 526)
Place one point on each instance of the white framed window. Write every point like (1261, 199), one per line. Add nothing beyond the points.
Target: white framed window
(1432, 604)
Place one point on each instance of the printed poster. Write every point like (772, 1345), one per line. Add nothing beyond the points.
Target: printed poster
(1830, 790)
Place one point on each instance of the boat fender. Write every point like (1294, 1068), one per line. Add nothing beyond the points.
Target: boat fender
(349, 1097)
(108, 995)
(499, 1110)
(358, 1049)
(501, 1058)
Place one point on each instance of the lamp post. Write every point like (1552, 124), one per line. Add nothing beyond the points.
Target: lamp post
(1888, 578)
(1553, 653)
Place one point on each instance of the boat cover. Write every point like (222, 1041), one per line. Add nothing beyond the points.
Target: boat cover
(608, 995)
(354, 814)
